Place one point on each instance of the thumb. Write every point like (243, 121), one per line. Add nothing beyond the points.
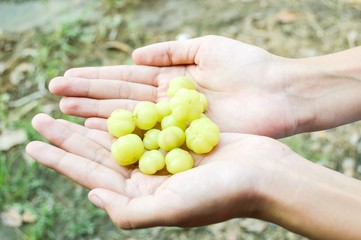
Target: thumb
(168, 53)
(125, 212)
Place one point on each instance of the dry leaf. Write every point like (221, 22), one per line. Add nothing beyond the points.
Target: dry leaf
(29, 216)
(11, 138)
(12, 217)
(352, 38)
(308, 52)
(319, 135)
(354, 138)
(29, 52)
(286, 16)
(2, 68)
(118, 46)
(19, 73)
(183, 36)
(253, 225)
(49, 108)
(348, 167)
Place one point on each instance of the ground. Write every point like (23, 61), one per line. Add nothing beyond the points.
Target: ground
(41, 39)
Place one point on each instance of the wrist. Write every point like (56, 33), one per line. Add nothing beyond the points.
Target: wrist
(312, 200)
(321, 93)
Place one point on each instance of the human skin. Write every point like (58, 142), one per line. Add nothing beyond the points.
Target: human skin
(244, 176)
(249, 89)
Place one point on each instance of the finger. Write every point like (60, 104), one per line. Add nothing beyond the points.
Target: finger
(168, 53)
(74, 143)
(104, 89)
(83, 171)
(86, 107)
(96, 123)
(129, 73)
(100, 137)
(129, 213)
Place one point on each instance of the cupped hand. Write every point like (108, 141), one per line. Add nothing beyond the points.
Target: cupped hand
(243, 84)
(224, 184)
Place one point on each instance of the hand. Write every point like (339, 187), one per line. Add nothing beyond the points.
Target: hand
(225, 184)
(242, 83)
(244, 176)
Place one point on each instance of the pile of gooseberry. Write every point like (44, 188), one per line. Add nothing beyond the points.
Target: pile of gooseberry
(163, 134)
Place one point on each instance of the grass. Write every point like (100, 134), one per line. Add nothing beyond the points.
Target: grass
(60, 206)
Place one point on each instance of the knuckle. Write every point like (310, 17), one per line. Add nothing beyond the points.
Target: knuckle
(123, 90)
(100, 155)
(68, 105)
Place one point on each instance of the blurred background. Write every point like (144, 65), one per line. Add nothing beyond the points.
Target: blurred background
(39, 40)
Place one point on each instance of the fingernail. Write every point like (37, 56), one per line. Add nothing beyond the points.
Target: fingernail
(98, 202)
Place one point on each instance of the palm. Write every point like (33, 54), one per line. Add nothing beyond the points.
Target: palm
(242, 95)
(83, 155)
(236, 78)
